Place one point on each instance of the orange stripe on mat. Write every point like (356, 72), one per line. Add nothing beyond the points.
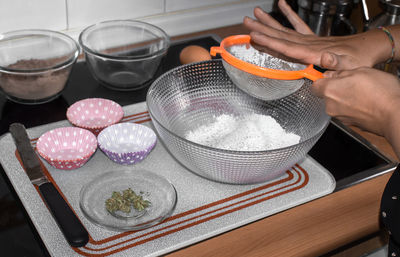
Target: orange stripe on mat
(305, 182)
(183, 214)
(136, 114)
(198, 216)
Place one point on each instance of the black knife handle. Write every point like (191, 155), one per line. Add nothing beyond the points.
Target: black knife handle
(70, 225)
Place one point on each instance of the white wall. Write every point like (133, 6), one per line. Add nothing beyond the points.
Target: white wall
(176, 17)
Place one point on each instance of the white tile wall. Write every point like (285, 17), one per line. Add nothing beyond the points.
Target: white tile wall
(38, 14)
(176, 5)
(82, 13)
(192, 20)
(174, 16)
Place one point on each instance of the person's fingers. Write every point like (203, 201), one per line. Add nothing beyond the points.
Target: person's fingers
(323, 88)
(329, 61)
(330, 74)
(318, 86)
(298, 24)
(272, 53)
(256, 25)
(333, 61)
(283, 32)
(338, 73)
(304, 52)
(294, 50)
(267, 19)
(347, 121)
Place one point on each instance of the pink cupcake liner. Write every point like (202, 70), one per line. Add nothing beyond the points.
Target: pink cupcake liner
(94, 114)
(67, 148)
(127, 143)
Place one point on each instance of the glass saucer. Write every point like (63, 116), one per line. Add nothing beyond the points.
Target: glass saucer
(154, 188)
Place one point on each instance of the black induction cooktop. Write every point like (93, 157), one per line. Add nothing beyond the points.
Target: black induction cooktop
(347, 156)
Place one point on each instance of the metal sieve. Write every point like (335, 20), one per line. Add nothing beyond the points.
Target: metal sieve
(276, 81)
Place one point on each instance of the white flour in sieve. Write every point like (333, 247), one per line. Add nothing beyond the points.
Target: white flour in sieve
(255, 132)
(247, 53)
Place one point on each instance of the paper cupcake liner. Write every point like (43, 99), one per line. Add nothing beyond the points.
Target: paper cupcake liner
(127, 143)
(67, 148)
(94, 114)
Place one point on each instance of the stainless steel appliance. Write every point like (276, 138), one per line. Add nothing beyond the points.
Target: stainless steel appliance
(327, 17)
(390, 14)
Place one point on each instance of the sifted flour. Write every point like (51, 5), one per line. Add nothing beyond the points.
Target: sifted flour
(251, 55)
(255, 132)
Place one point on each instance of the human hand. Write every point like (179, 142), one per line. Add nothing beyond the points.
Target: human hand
(301, 44)
(364, 97)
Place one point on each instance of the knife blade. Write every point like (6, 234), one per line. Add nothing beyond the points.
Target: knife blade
(68, 222)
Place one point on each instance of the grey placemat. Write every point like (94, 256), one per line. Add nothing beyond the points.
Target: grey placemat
(204, 208)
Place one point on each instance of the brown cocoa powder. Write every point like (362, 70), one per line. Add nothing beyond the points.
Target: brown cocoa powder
(34, 86)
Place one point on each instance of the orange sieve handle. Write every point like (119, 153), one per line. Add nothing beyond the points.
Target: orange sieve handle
(214, 50)
(312, 73)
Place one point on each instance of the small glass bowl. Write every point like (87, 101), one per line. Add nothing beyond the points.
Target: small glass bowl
(35, 64)
(156, 189)
(123, 54)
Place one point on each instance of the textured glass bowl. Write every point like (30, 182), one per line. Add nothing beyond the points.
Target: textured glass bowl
(123, 54)
(35, 64)
(192, 95)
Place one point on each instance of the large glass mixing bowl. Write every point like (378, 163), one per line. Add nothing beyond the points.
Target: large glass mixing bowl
(192, 95)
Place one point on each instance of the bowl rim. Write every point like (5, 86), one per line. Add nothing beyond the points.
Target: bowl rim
(88, 50)
(48, 33)
(151, 88)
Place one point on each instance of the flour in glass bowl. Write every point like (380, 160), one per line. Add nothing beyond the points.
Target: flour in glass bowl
(255, 132)
(247, 53)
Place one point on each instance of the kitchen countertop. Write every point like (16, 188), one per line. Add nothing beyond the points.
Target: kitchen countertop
(312, 229)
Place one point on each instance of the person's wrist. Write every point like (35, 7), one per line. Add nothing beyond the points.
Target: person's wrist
(392, 134)
(392, 124)
(392, 43)
(377, 52)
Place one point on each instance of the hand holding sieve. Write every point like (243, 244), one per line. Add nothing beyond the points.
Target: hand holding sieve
(262, 82)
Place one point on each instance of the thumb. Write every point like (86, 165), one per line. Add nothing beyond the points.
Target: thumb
(333, 61)
(329, 61)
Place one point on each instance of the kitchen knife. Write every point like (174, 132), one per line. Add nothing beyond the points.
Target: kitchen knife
(70, 225)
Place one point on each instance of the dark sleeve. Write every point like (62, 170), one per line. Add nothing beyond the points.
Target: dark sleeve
(390, 212)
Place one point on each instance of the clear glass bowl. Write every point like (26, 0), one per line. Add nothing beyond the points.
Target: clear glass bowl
(35, 64)
(123, 54)
(156, 189)
(192, 95)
